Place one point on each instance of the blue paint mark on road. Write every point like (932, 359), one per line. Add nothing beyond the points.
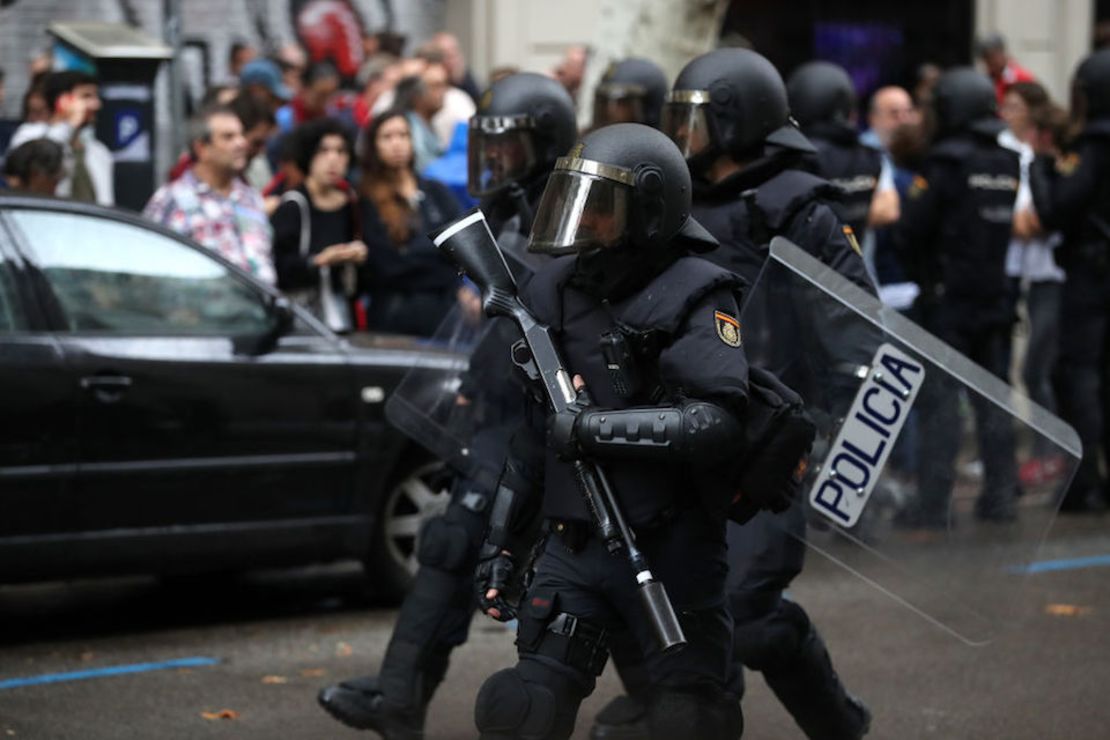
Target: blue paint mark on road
(1050, 566)
(117, 670)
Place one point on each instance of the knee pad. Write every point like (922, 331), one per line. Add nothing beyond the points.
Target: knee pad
(771, 640)
(509, 706)
(444, 544)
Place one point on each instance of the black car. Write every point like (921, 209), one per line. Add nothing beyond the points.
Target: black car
(163, 412)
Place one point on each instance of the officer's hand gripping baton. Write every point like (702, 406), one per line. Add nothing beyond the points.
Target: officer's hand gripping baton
(470, 245)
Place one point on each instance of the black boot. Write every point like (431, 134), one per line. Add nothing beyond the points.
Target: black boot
(358, 703)
(395, 704)
(811, 691)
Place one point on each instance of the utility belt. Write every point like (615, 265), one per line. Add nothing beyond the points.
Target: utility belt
(575, 534)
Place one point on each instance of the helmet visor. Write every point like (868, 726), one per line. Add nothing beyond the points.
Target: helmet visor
(580, 212)
(499, 151)
(618, 103)
(686, 122)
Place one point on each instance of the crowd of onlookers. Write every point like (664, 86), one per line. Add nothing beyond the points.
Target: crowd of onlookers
(323, 186)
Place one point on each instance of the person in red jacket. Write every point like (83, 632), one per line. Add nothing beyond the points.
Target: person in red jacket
(1002, 68)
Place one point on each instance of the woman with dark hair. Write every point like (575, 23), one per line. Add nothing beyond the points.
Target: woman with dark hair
(412, 286)
(318, 245)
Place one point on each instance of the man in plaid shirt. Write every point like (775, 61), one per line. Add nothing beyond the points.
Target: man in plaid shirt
(211, 203)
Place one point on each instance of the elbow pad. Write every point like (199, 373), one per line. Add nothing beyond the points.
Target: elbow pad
(692, 431)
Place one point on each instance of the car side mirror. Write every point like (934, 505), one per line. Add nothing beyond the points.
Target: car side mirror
(281, 318)
(284, 316)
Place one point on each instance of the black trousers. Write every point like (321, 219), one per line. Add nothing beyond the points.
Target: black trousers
(987, 343)
(688, 556)
(1083, 369)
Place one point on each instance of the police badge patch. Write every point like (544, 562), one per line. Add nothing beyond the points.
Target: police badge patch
(728, 328)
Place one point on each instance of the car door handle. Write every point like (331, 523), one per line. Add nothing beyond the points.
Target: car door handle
(107, 382)
(106, 388)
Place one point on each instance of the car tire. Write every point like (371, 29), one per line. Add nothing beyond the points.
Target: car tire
(419, 491)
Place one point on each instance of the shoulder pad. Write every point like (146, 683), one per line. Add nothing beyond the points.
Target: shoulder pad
(787, 192)
(668, 299)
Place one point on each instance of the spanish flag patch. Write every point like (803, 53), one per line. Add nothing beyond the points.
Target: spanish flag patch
(728, 328)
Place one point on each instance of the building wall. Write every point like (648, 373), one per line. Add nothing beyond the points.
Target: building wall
(1048, 37)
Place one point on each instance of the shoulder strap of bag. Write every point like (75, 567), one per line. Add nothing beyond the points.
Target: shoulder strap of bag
(294, 196)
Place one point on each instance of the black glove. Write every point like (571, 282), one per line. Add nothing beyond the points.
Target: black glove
(496, 570)
(562, 428)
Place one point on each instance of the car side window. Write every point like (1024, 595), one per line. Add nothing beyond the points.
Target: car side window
(117, 278)
(12, 317)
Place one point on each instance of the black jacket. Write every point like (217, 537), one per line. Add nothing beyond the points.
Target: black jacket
(957, 221)
(415, 265)
(1072, 195)
(744, 212)
(681, 307)
(851, 166)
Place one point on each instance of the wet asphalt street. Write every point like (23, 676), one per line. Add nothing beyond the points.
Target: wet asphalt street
(243, 657)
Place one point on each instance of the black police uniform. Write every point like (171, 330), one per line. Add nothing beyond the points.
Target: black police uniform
(772, 634)
(823, 101)
(953, 235)
(851, 166)
(630, 190)
(685, 543)
(768, 198)
(435, 616)
(1073, 195)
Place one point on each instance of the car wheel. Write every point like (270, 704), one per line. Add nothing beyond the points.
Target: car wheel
(421, 491)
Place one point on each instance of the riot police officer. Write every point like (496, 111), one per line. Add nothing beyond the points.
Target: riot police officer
(520, 128)
(953, 236)
(1072, 194)
(728, 113)
(619, 203)
(823, 102)
(523, 124)
(630, 91)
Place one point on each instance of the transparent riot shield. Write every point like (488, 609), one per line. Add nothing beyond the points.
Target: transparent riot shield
(913, 482)
(458, 400)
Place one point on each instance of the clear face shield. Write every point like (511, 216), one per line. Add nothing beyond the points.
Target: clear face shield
(686, 122)
(616, 102)
(584, 207)
(500, 150)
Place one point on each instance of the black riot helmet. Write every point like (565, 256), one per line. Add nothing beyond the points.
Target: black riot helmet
(524, 122)
(1091, 87)
(630, 91)
(964, 100)
(821, 92)
(730, 101)
(624, 187)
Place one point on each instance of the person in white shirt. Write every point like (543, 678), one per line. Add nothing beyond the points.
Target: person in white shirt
(74, 99)
(1030, 264)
